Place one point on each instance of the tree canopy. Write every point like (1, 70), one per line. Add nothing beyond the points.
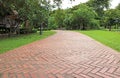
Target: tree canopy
(90, 15)
(93, 14)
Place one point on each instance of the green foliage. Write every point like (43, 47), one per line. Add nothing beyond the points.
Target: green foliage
(83, 17)
(11, 43)
(59, 18)
(79, 17)
(118, 7)
(56, 19)
(94, 24)
(112, 17)
(89, 15)
(99, 5)
(108, 38)
(112, 13)
(32, 12)
(68, 21)
(51, 23)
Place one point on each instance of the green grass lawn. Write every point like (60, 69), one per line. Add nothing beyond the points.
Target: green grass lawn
(7, 44)
(111, 39)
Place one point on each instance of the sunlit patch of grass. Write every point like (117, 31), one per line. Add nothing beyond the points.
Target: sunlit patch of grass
(111, 39)
(14, 42)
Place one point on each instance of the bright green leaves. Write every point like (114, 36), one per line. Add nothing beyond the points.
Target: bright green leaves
(83, 17)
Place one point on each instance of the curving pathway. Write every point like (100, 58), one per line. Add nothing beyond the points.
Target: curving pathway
(64, 55)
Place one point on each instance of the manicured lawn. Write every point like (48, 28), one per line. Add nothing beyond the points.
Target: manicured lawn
(111, 39)
(14, 42)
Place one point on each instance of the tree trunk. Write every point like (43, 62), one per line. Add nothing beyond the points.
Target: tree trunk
(84, 27)
(27, 26)
(110, 28)
(10, 32)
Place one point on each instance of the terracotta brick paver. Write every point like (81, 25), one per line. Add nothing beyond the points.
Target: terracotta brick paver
(64, 55)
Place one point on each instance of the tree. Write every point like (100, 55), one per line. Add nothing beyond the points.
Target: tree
(52, 23)
(112, 17)
(118, 7)
(83, 17)
(68, 20)
(99, 6)
(59, 17)
(29, 11)
(79, 17)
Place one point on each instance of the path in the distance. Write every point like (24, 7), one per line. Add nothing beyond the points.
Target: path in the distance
(64, 55)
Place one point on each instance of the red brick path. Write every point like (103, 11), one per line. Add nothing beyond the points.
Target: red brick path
(63, 55)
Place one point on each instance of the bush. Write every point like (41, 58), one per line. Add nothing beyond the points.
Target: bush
(52, 24)
(94, 24)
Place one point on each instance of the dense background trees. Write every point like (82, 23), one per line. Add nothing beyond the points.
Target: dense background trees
(112, 18)
(94, 14)
(84, 17)
(31, 13)
(79, 17)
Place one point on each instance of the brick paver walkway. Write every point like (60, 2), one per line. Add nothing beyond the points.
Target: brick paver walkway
(64, 55)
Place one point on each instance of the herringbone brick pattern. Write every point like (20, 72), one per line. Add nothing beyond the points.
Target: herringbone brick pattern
(64, 55)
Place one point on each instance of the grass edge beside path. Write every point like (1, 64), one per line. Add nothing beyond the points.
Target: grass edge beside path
(108, 38)
(7, 44)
